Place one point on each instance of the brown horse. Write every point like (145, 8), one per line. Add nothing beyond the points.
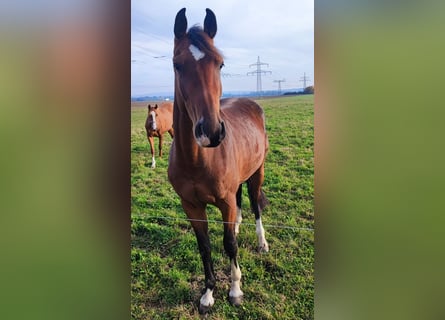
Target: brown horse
(159, 120)
(218, 145)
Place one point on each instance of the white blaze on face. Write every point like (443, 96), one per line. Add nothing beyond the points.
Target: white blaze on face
(153, 117)
(197, 54)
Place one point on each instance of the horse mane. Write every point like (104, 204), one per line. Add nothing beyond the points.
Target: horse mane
(200, 39)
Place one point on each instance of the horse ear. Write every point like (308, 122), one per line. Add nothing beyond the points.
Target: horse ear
(148, 106)
(156, 106)
(180, 24)
(210, 23)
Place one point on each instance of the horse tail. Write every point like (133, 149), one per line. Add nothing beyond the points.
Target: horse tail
(263, 201)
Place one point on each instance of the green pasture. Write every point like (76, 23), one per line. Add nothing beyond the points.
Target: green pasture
(166, 269)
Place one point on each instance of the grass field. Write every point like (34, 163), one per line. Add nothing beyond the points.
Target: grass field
(167, 274)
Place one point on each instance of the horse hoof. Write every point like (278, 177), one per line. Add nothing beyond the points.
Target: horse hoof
(203, 309)
(263, 248)
(236, 301)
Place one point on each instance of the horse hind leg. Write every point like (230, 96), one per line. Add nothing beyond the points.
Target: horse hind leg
(239, 217)
(171, 132)
(258, 201)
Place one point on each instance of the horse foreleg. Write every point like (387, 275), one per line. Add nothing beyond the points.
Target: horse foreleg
(160, 145)
(152, 149)
(200, 226)
(231, 247)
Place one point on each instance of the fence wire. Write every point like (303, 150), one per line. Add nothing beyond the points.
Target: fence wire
(223, 222)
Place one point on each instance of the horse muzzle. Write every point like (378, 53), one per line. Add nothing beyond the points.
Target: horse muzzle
(207, 137)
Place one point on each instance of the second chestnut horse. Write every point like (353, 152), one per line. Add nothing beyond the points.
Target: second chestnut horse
(159, 120)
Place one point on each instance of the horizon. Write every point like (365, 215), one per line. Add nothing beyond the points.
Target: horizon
(226, 94)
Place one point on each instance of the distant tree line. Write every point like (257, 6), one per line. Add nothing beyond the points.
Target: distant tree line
(307, 90)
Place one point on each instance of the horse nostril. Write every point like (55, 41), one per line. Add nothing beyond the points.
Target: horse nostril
(223, 131)
(199, 129)
(207, 137)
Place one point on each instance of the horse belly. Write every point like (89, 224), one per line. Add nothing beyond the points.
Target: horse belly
(152, 133)
(252, 155)
(249, 167)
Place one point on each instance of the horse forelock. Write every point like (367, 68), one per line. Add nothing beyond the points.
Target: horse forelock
(202, 41)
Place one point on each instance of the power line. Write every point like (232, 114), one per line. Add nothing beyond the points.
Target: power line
(279, 84)
(151, 35)
(258, 73)
(146, 51)
(225, 75)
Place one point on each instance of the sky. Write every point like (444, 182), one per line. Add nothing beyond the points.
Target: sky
(280, 32)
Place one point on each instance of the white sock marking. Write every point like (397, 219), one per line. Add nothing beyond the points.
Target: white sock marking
(197, 54)
(153, 162)
(235, 274)
(207, 299)
(262, 243)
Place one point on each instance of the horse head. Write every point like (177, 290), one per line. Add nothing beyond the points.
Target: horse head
(197, 64)
(152, 114)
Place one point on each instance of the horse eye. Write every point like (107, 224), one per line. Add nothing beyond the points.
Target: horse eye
(177, 66)
(222, 65)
